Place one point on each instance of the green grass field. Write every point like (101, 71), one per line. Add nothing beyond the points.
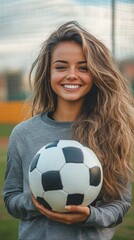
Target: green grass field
(9, 225)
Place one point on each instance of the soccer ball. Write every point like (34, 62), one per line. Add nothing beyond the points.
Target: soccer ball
(64, 173)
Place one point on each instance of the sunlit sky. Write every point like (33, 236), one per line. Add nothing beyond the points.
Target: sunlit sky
(25, 24)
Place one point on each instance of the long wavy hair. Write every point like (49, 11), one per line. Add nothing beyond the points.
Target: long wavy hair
(106, 123)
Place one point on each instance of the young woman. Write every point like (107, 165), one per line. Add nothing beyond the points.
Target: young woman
(78, 94)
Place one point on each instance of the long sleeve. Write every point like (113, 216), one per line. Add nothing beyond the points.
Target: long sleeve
(16, 192)
(109, 215)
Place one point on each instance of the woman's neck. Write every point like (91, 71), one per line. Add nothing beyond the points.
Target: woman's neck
(67, 113)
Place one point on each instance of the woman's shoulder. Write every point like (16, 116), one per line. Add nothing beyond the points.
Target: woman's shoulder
(27, 125)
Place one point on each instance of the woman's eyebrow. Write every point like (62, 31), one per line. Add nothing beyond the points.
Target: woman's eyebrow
(63, 61)
(60, 61)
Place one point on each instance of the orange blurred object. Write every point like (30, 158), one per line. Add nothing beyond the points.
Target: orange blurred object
(14, 111)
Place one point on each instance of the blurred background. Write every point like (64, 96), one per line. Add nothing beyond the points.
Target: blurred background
(24, 25)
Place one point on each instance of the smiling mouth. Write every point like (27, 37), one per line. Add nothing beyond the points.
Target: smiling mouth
(71, 86)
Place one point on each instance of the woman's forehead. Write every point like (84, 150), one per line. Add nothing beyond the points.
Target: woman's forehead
(68, 50)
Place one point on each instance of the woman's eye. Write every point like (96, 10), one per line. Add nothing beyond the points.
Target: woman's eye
(83, 68)
(60, 67)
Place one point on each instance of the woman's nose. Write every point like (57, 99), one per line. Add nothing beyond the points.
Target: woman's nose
(72, 74)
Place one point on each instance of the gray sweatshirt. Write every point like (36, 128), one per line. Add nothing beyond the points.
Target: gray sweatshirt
(25, 140)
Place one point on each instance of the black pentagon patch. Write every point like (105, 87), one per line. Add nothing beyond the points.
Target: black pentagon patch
(73, 155)
(51, 180)
(52, 144)
(95, 176)
(34, 162)
(75, 199)
(43, 202)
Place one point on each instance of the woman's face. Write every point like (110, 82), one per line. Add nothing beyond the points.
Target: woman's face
(69, 75)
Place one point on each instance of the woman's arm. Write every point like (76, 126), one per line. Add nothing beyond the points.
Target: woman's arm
(112, 214)
(108, 215)
(17, 200)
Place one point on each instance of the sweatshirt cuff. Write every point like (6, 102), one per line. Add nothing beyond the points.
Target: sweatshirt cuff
(91, 219)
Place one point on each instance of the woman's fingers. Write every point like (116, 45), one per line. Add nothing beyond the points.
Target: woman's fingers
(74, 213)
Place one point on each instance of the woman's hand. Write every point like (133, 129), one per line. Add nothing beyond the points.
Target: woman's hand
(74, 214)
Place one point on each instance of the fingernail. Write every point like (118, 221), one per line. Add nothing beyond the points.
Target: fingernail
(67, 207)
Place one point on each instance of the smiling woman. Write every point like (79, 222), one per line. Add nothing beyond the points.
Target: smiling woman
(70, 78)
(78, 94)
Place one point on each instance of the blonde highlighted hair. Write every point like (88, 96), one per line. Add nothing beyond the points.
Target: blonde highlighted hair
(106, 124)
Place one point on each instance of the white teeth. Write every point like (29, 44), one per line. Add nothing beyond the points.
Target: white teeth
(71, 86)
